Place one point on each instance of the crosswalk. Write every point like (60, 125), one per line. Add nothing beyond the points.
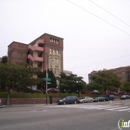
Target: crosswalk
(118, 108)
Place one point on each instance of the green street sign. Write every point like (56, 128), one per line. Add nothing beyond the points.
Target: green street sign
(47, 79)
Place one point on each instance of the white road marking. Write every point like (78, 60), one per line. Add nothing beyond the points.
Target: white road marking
(117, 108)
(39, 110)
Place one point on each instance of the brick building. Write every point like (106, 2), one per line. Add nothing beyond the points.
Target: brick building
(44, 51)
(122, 72)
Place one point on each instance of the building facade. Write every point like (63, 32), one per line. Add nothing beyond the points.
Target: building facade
(68, 72)
(122, 72)
(45, 52)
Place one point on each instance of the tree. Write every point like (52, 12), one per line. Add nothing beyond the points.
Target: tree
(104, 80)
(51, 76)
(71, 83)
(17, 77)
(4, 59)
(126, 86)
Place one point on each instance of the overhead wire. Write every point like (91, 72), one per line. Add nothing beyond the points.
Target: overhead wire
(98, 17)
(101, 62)
(109, 12)
(107, 23)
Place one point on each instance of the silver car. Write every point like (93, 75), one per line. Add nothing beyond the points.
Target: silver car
(86, 99)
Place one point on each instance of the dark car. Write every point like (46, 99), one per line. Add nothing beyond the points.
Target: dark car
(69, 100)
(99, 99)
(109, 97)
(125, 97)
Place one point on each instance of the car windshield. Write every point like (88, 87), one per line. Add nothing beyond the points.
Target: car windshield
(64, 99)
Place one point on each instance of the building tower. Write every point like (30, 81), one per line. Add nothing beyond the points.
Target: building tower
(45, 51)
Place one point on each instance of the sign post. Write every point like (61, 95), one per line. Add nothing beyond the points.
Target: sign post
(46, 83)
(47, 79)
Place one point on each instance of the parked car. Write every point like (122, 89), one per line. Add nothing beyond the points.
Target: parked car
(125, 97)
(0, 102)
(86, 99)
(69, 100)
(95, 92)
(50, 90)
(99, 99)
(53, 90)
(109, 97)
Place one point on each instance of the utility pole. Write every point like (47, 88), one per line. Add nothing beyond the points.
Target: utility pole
(46, 83)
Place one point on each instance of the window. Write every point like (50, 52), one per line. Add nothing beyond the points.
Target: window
(56, 60)
(50, 39)
(57, 52)
(56, 71)
(51, 60)
(57, 41)
(50, 51)
(54, 40)
(51, 68)
(53, 51)
(20, 55)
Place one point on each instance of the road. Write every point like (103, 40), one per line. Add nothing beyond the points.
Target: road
(88, 116)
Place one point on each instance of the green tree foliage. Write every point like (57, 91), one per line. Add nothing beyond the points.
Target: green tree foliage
(17, 76)
(4, 59)
(71, 83)
(125, 86)
(52, 82)
(104, 80)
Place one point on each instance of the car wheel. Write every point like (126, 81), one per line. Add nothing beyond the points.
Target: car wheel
(75, 102)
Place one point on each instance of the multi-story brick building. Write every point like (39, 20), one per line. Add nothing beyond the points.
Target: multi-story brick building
(44, 52)
(122, 72)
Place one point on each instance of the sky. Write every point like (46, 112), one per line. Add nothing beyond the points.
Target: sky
(96, 32)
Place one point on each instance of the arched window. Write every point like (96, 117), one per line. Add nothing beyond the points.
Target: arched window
(50, 51)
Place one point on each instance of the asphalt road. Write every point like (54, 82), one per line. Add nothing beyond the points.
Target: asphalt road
(88, 116)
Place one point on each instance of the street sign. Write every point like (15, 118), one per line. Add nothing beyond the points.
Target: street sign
(47, 79)
(48, 83)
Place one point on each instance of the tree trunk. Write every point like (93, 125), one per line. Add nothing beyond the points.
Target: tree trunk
(79, 94)
(8, 98)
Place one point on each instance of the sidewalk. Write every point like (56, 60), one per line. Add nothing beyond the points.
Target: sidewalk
(26, 105)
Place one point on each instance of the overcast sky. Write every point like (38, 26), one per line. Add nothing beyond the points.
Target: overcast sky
(96, 33)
